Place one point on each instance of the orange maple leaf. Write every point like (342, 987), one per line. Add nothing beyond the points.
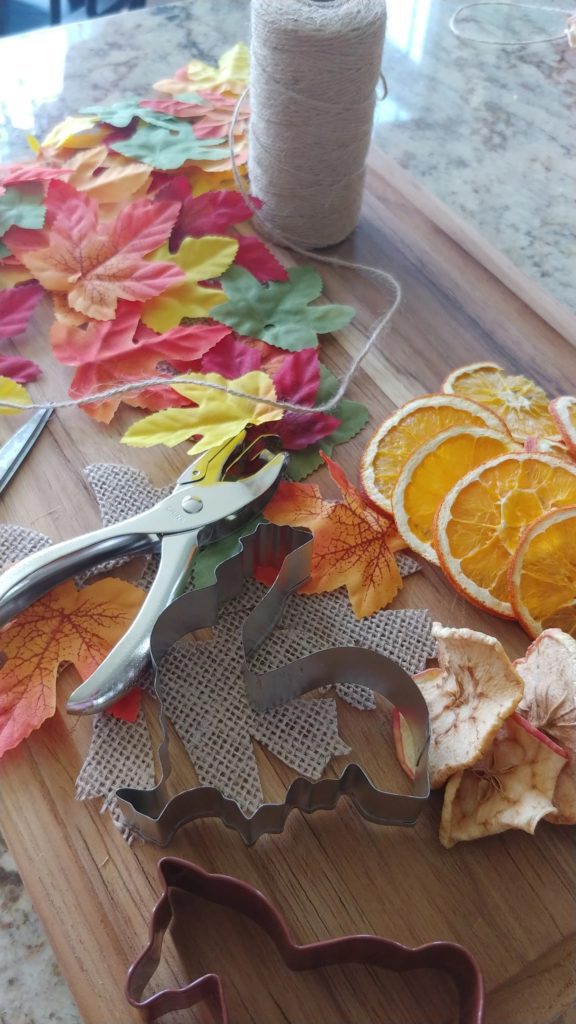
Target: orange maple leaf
(96, 263)
(66, 626)
(352, 542)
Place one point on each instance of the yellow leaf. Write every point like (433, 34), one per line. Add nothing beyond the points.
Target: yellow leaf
(75, 133)
(205, 181)
(106, 176)
(233, 69)
(218, 416)
(201, 259)
(10, 391)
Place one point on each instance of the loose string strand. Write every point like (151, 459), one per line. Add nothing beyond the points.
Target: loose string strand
(568, 34)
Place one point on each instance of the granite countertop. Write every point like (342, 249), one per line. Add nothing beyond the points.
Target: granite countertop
(486, 129)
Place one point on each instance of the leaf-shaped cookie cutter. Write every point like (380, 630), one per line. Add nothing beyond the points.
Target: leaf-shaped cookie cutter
(153, 815)
(182, 877)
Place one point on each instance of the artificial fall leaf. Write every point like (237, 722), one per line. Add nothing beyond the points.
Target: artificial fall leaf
(140, 358)
(469, 697)
(210, 214)
(549, 703)
(230, 75)
(12, 272)
(168, 146)
(351, 541)
(231, 358)
(297, 379)
(121, 113)
(10, 391)
(21, 370)
(218, 416)
(21, 206)
(75, 133)
(15, 174)
(352, 417)
(256, 257)
(279, 313)
(16, 307)
(67, 625)
(106, 177)
(189, 105)
(97, 264)
(511, 787)
(198, 259)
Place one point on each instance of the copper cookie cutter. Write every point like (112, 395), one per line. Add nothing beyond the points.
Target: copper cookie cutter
(181, 877)
(153, 815)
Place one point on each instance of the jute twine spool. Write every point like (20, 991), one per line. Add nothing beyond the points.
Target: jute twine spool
(315, 65)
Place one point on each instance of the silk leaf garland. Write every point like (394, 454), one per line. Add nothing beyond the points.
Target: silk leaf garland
(67, 625)
(353, 544)
(279, 313)
(219, 417)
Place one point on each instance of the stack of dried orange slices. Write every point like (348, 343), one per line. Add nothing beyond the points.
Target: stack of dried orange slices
(481, 480)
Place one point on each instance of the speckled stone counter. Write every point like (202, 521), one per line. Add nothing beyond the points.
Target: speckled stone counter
(488, 130)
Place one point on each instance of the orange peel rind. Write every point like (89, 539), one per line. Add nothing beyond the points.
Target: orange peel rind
(469, 696)
(542, 574)
(563, 412)
(511, 787)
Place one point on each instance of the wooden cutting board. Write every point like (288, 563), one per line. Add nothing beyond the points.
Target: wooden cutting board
(510, 898)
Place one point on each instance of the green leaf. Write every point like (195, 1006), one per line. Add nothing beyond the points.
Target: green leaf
(22, 206)
(169, 145)
(353, 418)
(4, 250)
(279, 312)
(121, 113)
(209, 558)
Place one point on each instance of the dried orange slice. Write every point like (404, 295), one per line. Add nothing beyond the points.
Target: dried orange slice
(478, 525)
(518, 400)
(542, 577)
(563, 412)
(409, 427)
(431, 471)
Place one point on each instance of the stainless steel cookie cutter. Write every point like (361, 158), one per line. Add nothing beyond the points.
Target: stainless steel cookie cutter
(152, 815)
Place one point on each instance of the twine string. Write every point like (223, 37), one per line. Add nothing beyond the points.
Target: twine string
(568, 34)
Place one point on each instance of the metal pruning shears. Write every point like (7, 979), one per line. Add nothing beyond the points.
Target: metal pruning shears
(206, 504)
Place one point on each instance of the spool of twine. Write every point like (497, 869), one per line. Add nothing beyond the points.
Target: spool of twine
(315, 65)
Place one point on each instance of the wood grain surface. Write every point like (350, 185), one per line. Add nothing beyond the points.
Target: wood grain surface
(510, 899)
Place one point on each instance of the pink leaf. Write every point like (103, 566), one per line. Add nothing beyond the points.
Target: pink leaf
(21, 370)
(254, 256)
(298, 378)
(210, 213)
(231, 358)
(16, 307)
(19, 172)
(176, 108)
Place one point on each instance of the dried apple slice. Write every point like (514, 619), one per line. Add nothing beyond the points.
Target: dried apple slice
(511, 787)
(549, 703)
(469, 696)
